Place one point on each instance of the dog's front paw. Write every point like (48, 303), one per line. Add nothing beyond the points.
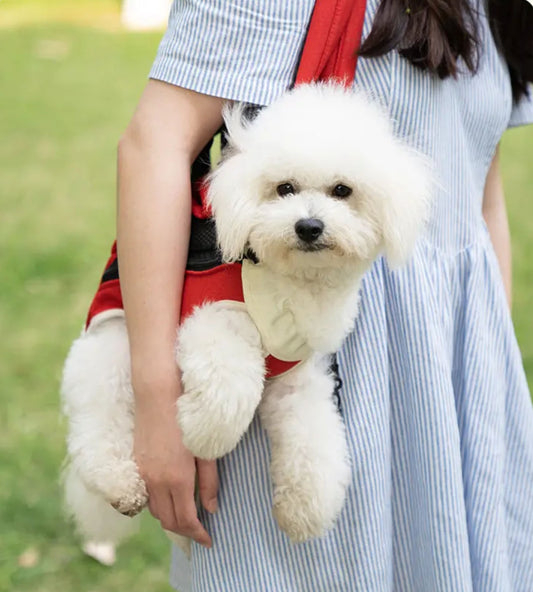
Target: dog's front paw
(131, 500)
(131, 505)
(120, 485)
(208, 432)
(128, 507)
(308, 498)
(299, 515)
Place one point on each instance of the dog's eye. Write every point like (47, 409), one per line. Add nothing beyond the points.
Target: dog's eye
(285, 189)
(341, 190)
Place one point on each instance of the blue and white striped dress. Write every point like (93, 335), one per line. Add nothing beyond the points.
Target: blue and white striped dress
(435, 400)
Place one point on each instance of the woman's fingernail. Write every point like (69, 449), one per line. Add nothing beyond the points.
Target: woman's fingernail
(212, 505)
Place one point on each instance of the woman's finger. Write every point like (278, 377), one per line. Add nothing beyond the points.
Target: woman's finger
(187, 519)
(208, 483)
(165, 511)
(152, 504)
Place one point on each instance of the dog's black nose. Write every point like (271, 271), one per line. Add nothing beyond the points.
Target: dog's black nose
(309, 229)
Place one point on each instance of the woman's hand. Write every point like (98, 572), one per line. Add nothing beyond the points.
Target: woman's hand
(169, 469)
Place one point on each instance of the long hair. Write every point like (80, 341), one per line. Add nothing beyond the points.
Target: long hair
(435, 34)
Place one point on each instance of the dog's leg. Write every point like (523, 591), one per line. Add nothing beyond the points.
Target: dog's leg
(222, 363)
(309, 467)
(96, 521)
(98, 400)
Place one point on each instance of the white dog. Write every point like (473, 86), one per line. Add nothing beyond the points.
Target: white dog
(317, 187)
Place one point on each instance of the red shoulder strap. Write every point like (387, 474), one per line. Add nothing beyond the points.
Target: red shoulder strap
(333, 38)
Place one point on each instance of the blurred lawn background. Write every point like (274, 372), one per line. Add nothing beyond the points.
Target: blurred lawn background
(69, 80)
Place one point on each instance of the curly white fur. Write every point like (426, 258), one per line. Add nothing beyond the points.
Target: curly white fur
(223, 367)
(310, 466)
(315, 138)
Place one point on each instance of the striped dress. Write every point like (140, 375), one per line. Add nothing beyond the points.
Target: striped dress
(435, 400)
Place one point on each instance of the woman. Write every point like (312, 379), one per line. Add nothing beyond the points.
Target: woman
(435, 399)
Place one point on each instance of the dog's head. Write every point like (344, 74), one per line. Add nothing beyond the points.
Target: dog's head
(317, 180)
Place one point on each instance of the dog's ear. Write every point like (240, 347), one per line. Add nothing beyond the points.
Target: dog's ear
(230, 193)
(233, 205)
(237, 122)
(407, 186)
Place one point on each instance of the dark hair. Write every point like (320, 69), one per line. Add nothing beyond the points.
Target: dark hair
(434, 34)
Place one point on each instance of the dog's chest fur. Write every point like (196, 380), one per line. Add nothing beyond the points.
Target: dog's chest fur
(297, 316)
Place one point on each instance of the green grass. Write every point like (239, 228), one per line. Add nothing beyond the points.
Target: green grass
(66, 94)
(93, 13)
(516, 154)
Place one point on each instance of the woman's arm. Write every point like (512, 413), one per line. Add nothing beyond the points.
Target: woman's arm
(495, 214)
(169, 128)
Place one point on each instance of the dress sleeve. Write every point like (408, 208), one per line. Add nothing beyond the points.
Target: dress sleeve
(522, 113)
(244, 50)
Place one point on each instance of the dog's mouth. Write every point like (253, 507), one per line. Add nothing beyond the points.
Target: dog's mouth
(312, 247)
